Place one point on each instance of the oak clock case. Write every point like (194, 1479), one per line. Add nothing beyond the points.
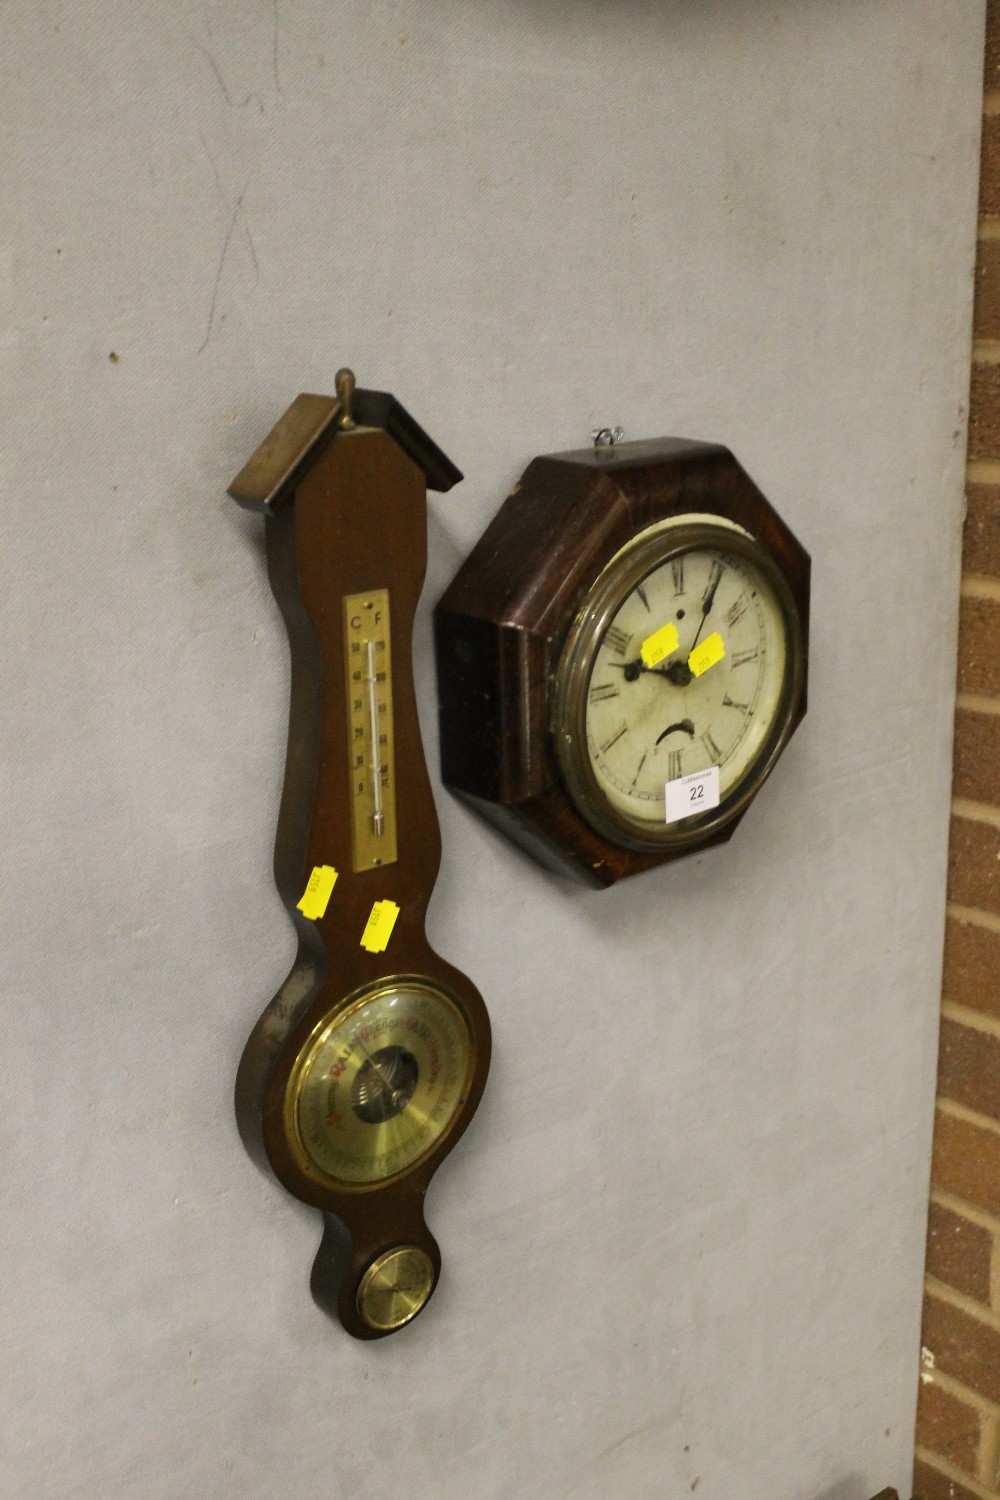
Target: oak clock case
(622, 658)
(365, 1069)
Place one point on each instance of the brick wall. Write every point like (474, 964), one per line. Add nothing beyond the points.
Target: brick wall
(958, 1414)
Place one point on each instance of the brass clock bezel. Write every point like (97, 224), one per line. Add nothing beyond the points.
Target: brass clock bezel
(648, 551)
(304, 1162)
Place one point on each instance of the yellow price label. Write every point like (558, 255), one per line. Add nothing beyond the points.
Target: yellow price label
(658, 645)
(711, 650)
(317, 892)
(378, 928)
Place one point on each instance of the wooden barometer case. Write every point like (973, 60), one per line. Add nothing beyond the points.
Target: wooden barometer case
(622, 657)
(367, 1066)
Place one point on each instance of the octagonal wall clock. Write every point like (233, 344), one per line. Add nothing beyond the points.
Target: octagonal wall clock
(368, 1064)
(623, 656)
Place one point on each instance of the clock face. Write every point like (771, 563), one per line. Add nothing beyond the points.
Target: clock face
(379, 1083)
(685, 659)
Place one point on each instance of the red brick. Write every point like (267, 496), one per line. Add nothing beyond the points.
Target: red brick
(974, 865)
(967, 1162)
(986, 318)
(972, 966)
(969, 1068)
(981, 542)
(930, 1484)
(979, 646)
(949, 1427)
(959, 1254)
(989, 167)
(962, 1347)
(992, 75)
(984, 411)
(977, 756)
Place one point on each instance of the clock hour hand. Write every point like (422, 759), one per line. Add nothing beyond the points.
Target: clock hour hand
(678, 672)
(630, 668)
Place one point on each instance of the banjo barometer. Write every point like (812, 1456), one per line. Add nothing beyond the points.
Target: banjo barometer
(367, 1066)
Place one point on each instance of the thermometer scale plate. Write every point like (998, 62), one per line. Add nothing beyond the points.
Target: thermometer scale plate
(368, 676)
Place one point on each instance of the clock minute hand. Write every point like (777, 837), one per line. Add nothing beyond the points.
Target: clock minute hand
(706, 608)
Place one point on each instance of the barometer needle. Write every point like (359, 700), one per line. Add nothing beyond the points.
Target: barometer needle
(394, 1094)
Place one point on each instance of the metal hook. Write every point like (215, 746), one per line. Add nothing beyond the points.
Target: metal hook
(606, 437)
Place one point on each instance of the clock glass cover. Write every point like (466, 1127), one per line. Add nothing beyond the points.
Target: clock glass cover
(686, 655)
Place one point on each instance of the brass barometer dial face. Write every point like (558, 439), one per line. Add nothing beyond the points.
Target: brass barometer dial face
(684, 659)
(379, 1083)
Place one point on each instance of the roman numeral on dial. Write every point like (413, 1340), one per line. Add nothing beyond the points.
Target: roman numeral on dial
(603, 691)
(742, 657)
(728, 702)
(713, 582)
(614, 739)
(711, 747)
(737, 610)
(677, 571)
(674, 765)
(616, 640)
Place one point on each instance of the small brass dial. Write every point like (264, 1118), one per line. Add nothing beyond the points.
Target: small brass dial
(395, 1288)
(379, 1083)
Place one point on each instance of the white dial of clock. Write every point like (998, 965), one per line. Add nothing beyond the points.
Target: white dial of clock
(683, 658)
(650, 725)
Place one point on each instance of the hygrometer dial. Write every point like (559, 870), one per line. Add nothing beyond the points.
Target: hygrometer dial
(395, 1287)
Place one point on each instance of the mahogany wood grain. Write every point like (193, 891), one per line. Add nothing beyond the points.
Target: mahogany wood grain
(357, 521)
(501, 624)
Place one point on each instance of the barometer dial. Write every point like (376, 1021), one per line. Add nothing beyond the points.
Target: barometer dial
(379, 1083)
